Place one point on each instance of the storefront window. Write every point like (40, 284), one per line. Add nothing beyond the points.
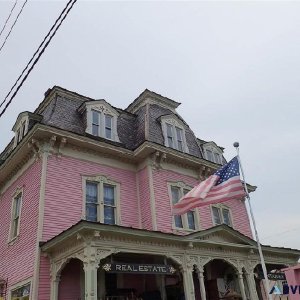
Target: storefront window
(22, 293)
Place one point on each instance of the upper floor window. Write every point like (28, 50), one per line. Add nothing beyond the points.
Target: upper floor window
(101, 120)
(221, 215)
(21, 293)
(101, 200)
(20, 128)
(15, 216)
(188, 221)
(174, 133)
(213, 153)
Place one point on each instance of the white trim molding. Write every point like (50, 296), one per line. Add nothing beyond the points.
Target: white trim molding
(213, 153)
(221, 207)
(183, 187)
(177, 131)
(102, 180)
(103, 109)
(18, 194)
(18, 285)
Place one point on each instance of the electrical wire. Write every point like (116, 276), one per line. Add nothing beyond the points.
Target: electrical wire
(11, 11)
(35, 53)
(37, 59)
(13, 25)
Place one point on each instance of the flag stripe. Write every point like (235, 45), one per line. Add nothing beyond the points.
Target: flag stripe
(222, 186)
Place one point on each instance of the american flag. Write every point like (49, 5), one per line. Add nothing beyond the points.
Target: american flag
(222, 186)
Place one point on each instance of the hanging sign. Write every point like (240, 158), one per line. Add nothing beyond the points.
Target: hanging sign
(273, 276)
(138, 268)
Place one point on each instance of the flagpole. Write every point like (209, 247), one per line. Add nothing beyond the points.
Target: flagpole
(263, 264)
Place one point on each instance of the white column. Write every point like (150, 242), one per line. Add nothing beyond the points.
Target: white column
(90, 272)
(251, 285)
(188, 283)
(54, 287)
(242, 286)
(200, 273)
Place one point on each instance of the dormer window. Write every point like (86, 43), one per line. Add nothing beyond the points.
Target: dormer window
(213, 153)
(101, 119)
(174, 133)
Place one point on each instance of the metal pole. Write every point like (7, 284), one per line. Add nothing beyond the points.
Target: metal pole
(263, 264)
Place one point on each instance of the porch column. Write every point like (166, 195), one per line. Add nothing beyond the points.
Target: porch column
(251, 285)
(90, 279)
(188, 283)
(200, 273)
(54, 287)
(241, 283)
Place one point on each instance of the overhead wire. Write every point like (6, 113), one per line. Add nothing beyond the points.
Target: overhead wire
(13, 25)
(35, 53)
(11, 11)
(38, 57)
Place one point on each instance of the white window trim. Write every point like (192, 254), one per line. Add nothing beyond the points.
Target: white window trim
(174, 123)
(12, 239)
(104, 109)
(19, 128)
(214, 150)
(183, 186)
(221, 206)
(101, 180)
(19, 285)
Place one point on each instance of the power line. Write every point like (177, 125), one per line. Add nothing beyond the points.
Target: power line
(8, 17)
(37, 59)
(35, 53)
(281, 233)
(13, 25)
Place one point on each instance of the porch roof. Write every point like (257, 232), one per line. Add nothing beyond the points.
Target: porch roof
(220, 235)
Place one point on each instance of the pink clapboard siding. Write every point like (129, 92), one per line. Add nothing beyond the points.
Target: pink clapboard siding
(69, 286)
(44, 279)
(17, 259)
(64, 199)
(144, 191)
(163, 204)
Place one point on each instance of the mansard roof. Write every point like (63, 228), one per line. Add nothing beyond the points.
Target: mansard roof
(138, 123)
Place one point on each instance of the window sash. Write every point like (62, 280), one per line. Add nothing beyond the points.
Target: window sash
(108, 126)
(96, 119)
(209, 155)
(226, 216)
(179, 135)
(185, 221)
(170, 135)
(216, 215)
(100, 202)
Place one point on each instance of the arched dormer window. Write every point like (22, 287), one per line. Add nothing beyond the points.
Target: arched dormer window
(213, 153)
(101, 120)
(24, 122)
(174, 133)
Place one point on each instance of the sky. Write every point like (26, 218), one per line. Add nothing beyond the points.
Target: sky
(234, 66)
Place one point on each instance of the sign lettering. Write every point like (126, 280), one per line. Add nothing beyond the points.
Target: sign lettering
(138, 268)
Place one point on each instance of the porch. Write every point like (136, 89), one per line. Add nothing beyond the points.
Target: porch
(101, 262)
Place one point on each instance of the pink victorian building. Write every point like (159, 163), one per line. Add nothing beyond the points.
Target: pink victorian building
(86, 191)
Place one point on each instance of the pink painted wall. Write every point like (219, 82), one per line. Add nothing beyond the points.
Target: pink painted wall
(293, 278)
(44, 279)
(144, 195)
(64, 199)
(17, 259)
(163, 204)
(69, 285)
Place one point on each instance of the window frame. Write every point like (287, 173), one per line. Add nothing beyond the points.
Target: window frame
(221, 207)
(101, 182)
(215, 151)
(21, 129)
(175, 125)
(103, 109)
(18, 194)
(182, 186)
(19, 285)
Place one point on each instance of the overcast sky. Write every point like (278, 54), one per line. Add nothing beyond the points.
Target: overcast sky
(234, 66)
